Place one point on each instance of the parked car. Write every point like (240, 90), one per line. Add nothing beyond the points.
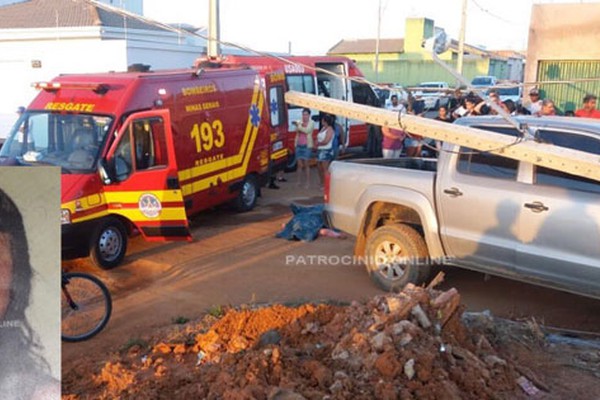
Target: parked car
(484, 81)
(434, 94)
(510, 93)
(475, 210)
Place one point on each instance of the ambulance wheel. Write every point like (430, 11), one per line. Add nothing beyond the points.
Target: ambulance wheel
(247, 195)
(109, 243)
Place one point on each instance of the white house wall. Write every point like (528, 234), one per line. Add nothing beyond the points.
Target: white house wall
(56, 57)
(162, 58)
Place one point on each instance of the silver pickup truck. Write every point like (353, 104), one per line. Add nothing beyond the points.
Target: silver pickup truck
(475, 210)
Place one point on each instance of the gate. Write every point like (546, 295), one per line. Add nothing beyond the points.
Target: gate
(568, 96)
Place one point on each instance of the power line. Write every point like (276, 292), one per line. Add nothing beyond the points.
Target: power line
(491, 14)
(296, 63)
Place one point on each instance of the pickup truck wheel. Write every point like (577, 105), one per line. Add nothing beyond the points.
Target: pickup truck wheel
(108, 244)
(396, 255)
(248, 194)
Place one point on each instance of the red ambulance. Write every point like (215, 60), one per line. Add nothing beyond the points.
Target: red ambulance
(141, 152)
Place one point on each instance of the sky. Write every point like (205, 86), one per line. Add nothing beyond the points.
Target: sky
(314, 26)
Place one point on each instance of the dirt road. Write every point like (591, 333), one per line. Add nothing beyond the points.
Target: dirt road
(236, 259)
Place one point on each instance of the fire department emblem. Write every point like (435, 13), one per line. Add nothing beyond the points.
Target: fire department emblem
(149, 205)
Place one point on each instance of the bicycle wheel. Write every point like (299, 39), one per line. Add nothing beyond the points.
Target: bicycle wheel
(85, 306)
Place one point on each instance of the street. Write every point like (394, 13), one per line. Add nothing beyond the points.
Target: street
(235, 259)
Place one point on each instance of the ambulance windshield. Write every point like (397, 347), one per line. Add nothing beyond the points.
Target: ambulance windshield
(70, 141)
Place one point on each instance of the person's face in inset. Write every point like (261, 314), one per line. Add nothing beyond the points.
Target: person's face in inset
(5, 273)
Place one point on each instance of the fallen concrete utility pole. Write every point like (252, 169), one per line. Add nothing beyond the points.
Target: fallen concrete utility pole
(574, 162)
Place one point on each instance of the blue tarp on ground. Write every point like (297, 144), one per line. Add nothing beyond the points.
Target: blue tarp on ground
(305, 224)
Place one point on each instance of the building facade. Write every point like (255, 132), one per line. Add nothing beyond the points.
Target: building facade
(406, 62)
(563, 47)
(40, 39)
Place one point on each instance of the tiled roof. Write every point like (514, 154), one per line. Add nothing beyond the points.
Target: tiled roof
(510, 53)
(64, 13)
(367, 46)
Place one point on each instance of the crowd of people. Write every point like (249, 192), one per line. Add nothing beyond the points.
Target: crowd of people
(396, 142)
(392, 142)
(324, 148)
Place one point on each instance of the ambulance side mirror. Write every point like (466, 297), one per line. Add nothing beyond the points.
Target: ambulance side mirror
(106, 171)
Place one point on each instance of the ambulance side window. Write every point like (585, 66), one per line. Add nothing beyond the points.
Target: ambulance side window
(143, 147)
(148, 137)
(301, 83)
(276, 105)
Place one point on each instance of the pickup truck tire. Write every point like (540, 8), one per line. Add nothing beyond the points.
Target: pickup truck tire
(388, 242)
(108, 244)
(248, 194)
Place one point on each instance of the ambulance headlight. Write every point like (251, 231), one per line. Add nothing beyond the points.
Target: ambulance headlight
(65, 216)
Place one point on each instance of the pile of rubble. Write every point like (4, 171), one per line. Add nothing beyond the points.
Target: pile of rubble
(408, 345)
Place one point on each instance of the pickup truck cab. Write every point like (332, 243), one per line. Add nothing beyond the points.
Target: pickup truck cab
(475, 210)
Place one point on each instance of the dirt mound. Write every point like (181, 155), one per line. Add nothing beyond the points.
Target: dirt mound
(409, 345)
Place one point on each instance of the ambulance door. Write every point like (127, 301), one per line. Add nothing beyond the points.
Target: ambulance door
(281, 141)
(140, 176)
(334, 85)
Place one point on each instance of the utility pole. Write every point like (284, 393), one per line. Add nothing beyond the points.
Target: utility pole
(461, 40)
(214, 30)
(377, 43)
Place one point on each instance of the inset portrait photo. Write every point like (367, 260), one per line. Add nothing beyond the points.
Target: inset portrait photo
(29, 283)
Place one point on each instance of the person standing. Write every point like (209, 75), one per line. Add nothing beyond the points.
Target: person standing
(444, 115)
(535, 103)
(392, 142)
(396, 105)
(339, 138)
(304, 146)
(588, 110)
(325, 147)
(548, 108)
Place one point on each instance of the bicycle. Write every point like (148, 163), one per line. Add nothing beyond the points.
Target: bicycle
(86, 306)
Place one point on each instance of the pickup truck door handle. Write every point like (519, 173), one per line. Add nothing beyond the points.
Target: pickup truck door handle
(453, 192)
(536, 206)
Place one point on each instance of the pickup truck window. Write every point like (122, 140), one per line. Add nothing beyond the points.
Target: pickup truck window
(570, 141)
(473, 162)
(546, 176)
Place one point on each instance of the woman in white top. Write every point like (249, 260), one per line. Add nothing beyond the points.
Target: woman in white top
(325, 147)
